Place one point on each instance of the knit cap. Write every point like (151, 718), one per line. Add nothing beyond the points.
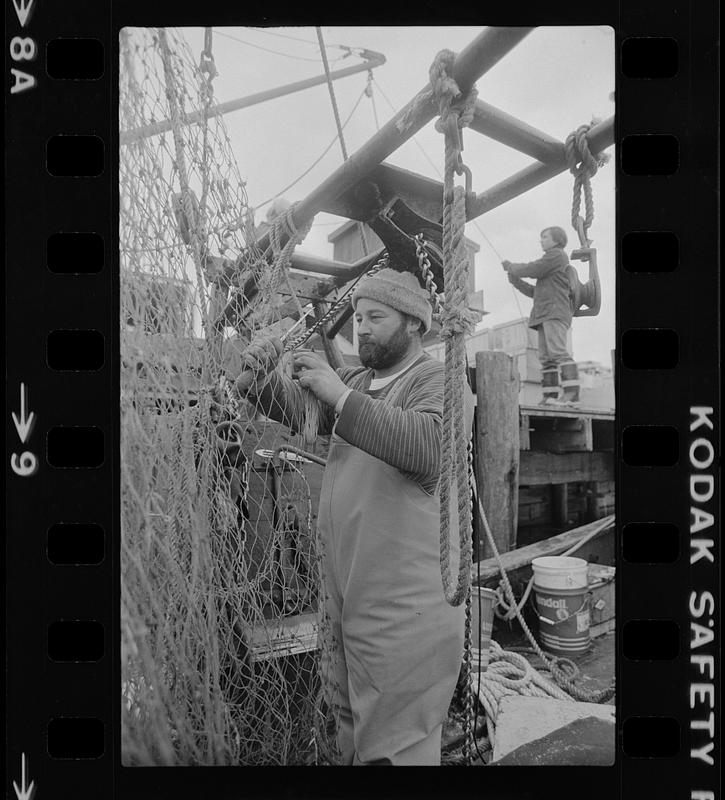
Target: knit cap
(399, 290)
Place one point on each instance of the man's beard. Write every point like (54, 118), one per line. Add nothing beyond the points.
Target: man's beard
(383, 356)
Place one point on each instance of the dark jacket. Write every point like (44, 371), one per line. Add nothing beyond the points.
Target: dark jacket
(552, 292)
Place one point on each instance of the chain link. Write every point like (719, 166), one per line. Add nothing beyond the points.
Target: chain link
(467, 680)
(438, 299)
(468, 635)
(340, 303)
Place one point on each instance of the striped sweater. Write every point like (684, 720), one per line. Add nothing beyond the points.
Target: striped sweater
(405, 433)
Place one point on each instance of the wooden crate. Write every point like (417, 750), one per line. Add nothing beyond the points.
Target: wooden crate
(513, 337)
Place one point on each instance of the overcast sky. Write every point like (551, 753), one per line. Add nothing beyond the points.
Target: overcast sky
(557, 79)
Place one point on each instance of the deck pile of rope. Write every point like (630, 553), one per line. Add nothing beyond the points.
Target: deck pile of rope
(456, 322)
(508, 674)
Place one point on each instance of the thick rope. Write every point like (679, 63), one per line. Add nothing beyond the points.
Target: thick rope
(447, 93)
(508, 674)
(583, 166)
(455, 110)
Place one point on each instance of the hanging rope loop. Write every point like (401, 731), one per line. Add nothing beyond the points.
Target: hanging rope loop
(583, 165)
(456, 111)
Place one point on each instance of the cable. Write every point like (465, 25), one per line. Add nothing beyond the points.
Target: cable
(268, 50)
(347, 48)
(498, 255)
(331, 90)
(316, 162)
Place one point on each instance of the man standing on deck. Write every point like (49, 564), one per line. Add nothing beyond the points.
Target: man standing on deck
(551, 314)
(398, 642)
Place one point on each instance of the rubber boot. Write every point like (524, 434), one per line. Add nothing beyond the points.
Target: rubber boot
(550, 384)
(570, 382)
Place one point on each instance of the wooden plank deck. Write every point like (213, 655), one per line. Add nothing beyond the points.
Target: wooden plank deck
(488, 570)
(548, 469)
(567, 412)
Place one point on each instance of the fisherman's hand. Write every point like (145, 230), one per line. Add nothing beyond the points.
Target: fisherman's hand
(258, 360)
(506, 264)
(315, 374)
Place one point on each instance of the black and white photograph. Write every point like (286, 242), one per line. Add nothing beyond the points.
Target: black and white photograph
(367, 396)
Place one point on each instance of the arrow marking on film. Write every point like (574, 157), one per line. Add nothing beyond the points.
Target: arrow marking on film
(27, 791)
(24, 424)
(23, 8)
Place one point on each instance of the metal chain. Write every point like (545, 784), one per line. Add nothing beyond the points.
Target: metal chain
(438, 299)
(467, 751)
(341, 302)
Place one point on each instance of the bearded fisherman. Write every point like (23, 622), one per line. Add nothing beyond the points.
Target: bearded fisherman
(398, 644)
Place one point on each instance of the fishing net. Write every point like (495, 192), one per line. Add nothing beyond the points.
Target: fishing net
(222, 627)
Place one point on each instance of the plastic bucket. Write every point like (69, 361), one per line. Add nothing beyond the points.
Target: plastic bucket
(561, 595)
(560, 572)
(481, 626)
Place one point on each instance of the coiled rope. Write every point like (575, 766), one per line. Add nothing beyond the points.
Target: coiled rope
(508, 674)
(456, 110)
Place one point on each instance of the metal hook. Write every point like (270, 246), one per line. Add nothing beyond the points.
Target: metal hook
(583, 240)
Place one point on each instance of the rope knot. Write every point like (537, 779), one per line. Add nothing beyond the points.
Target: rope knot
(583, 165)
(447, 94)
(579, 158)
(456, 321)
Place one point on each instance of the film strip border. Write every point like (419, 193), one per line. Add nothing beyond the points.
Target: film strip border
(62, 402)
(668, 582)
(62, 410)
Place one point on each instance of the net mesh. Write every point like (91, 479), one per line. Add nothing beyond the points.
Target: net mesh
(222, 632)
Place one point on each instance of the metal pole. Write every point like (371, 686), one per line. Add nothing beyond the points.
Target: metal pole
(483, 53)
(337, 269)
(504, 128)
(599, 137)
(372, 60)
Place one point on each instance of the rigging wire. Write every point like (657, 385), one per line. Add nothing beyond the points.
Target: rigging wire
(274, 52)
(345, 47)
(317, 160)
(331, 89)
